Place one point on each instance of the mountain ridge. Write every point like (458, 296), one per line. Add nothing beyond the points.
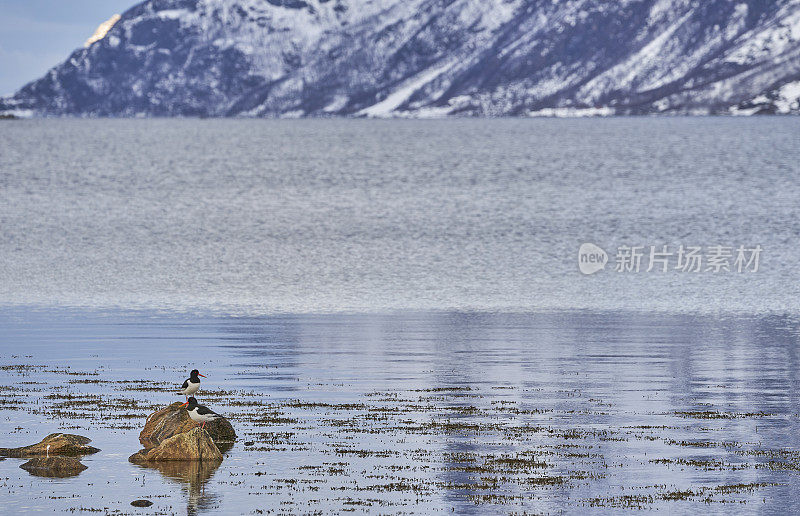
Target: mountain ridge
(430, 58)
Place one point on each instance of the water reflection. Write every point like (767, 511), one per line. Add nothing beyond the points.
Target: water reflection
(194, 476)
(540, 410)
(439, 412)
(54, 467)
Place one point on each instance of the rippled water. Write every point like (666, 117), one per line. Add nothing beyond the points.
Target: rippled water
(477, 413)
(367, 215)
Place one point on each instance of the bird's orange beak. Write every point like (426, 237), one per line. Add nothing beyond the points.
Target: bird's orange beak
(184, 404)
(204, 376)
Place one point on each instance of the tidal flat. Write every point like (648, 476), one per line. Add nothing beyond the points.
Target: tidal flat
(413, 413)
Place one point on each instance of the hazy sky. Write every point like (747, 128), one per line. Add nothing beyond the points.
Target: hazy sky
(38, 34)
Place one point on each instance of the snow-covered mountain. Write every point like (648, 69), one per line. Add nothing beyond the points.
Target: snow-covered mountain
(421, 58)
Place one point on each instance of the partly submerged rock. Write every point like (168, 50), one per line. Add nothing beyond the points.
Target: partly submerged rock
(54, 444)
(194, 445)
(141, 503)
(55, 467)
(174, 419)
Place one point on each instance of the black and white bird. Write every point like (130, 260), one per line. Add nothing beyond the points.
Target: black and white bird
(192, 384)
(200, 413)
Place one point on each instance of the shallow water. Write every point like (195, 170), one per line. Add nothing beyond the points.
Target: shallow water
(416, 412)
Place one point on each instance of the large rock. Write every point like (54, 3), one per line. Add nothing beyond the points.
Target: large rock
(194, 445)
(54, 444)
(54, 467)
(173, 420)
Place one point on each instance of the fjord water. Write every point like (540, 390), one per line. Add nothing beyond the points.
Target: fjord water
(392, 315)
(302, 216)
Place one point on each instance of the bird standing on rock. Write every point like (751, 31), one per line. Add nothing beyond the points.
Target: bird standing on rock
(200, 413)
(192, 384)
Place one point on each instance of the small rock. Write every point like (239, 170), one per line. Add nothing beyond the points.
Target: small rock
(174, 419)
(54, 444)
(54, 467)
(249, 443)
(193, 445)
(141, 503)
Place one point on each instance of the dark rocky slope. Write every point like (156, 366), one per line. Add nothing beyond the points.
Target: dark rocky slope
(421, 58)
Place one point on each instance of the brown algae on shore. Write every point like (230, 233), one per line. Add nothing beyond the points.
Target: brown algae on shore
(397, 450)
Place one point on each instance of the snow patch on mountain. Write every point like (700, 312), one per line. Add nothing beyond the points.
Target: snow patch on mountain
(395, 99)
(102, 30)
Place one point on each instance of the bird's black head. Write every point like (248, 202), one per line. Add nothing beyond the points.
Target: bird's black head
(194, 375)
(192, 403)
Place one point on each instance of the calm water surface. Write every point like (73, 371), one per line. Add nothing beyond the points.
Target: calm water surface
(420, 412)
